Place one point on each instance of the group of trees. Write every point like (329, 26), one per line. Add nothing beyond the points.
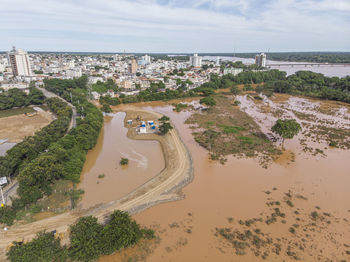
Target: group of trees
(41, 160)
(164, 125)
(311, 84)
(18, 98)
(88, 240)
(21, 161)
(103, 87)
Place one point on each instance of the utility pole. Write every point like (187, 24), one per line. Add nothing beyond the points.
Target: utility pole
(2, 196)
(71, 98)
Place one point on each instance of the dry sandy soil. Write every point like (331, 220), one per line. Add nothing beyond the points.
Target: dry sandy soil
(15, 128)
(163, 187)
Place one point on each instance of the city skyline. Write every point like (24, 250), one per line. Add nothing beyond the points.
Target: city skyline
(176, 26)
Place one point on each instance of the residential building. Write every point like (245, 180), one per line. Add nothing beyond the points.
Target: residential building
(132, 67)
(260, 60)
(20, 63)
(196, 61)
(232, 70)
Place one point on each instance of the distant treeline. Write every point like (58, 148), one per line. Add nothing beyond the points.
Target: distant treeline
(316, 57)
(301, 83)
(39, 161)
(18, 98)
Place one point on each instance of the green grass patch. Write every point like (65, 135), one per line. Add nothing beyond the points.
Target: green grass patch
(16, 111)
(231, 129)
(246, 140)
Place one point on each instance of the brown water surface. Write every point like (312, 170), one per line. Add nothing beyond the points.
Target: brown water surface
(236, 189)
(145, 161)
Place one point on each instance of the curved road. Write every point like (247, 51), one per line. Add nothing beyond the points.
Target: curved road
(162, 188)
(49, 94)
(11, 189)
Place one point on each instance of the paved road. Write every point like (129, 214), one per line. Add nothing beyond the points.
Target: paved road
(10, 190)
(49, 94)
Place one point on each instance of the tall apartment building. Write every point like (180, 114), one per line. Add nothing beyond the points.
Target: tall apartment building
(260, 60)
(196, 61)
(132, 67)
(20, 63)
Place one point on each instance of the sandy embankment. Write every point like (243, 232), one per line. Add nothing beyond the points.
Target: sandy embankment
(162, 188)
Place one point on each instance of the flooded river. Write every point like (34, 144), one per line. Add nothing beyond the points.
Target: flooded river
(238, 190)
(327, 70)
(145, 161)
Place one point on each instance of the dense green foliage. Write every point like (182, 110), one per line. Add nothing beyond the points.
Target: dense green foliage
(113, 101)
(64, 156)
(317, 57)
(7, 215)
(156, 94)
(88, 240)
(312, 84)
(27, 150)
(124, 161)
(209, 101)
(286, 128)
(18, 98)
(164, 126)
(301, 83)
(103, 87)
(106, 108)
(44, 248)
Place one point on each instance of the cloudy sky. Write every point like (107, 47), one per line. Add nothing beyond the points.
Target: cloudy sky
(175, 25)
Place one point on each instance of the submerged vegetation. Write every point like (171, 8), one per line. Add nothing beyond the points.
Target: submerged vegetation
(298, 228)
(224, 129)
(124, 161)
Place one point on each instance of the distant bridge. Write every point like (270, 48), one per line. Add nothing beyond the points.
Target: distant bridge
(307, 65)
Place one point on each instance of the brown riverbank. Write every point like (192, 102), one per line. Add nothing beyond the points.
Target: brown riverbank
(163, 187)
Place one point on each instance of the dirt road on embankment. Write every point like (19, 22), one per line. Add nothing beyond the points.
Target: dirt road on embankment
(161, 188)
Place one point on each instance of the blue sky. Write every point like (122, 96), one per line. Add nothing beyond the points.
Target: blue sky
(175, 25)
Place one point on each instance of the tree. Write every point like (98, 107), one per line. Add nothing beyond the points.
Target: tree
(85, 238)
(124, 161)
(209, 101)
(164, 126)
(45, 247)
(120, 232)
(106, 108)
(234, 90)
(286, 128)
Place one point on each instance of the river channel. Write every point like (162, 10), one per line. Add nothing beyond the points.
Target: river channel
(103, 178)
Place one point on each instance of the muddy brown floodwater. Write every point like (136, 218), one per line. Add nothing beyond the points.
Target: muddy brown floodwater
(145, 161)
(238, 190)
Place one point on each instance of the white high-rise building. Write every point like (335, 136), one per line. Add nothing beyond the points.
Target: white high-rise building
(20, 63)
(260, 60)
(217, 63)
(196, 61)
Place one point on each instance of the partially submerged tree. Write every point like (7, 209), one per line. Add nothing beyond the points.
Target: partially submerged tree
(209, 101)
(165, 125)
(124, 161)
(287, 128)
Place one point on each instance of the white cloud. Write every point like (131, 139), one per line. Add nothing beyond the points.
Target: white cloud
(182, 26)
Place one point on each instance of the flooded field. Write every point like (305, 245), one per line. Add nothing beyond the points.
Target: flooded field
(103, 178)
(312, 222)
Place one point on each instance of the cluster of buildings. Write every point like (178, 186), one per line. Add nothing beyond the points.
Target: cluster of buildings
(131, 73)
